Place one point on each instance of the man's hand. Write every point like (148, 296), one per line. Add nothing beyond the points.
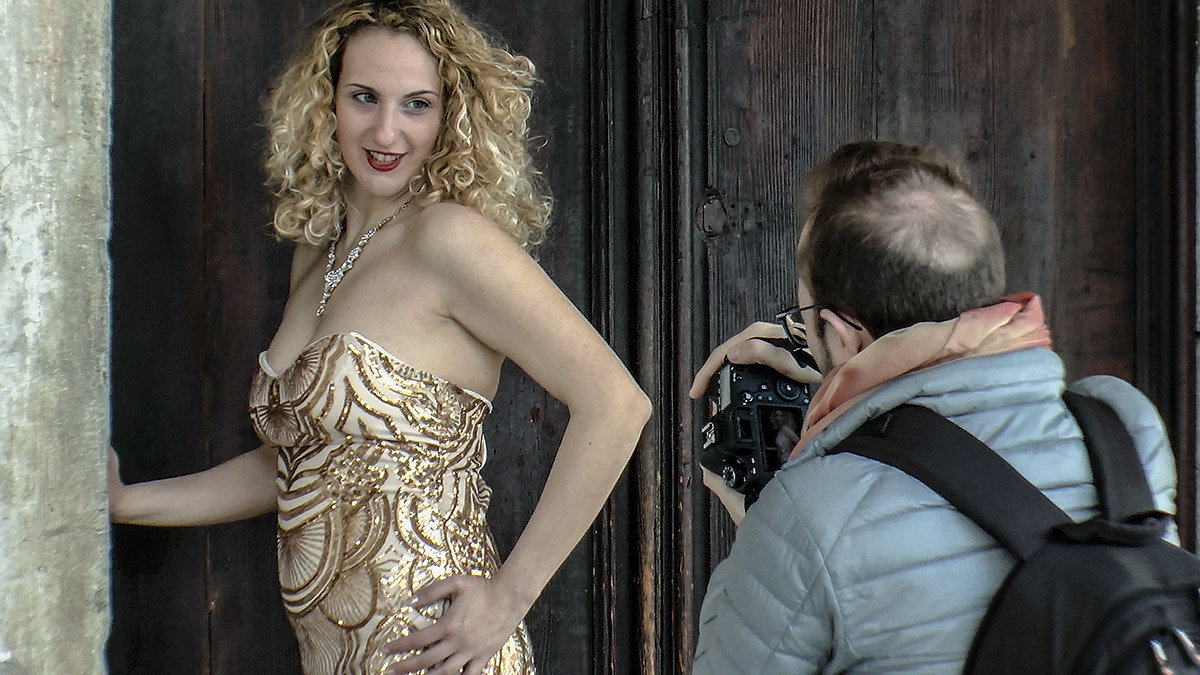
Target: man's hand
(747, 347)
(479, 619)
(733, 501)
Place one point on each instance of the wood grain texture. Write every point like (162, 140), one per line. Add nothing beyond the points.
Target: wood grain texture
(246, 283)
(650, 464)
(690, 546)
(787, 82)
(157, 354)
(616, 607)
(524, 431)
(1166, 316)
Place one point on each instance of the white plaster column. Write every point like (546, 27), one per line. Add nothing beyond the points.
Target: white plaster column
(55, 93)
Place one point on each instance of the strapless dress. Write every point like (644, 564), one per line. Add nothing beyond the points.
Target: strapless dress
(379, 494)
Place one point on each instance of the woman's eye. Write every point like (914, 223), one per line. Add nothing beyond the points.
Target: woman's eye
(418, 104)
(363, 97)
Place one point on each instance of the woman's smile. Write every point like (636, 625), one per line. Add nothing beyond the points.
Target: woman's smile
(383, 161)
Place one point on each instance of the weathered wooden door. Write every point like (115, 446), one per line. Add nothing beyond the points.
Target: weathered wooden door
(1075, 120)
(675, 132)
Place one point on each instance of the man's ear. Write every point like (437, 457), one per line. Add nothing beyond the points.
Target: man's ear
(841, 339)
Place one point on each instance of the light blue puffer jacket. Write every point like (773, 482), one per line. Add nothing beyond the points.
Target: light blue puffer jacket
(847, 565)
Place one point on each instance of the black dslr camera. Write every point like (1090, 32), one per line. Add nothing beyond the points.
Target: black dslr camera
(757, 423)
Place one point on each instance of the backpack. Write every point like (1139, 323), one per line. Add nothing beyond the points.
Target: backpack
(1108, 595)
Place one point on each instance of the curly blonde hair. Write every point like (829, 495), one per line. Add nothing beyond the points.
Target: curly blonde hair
(481, 157)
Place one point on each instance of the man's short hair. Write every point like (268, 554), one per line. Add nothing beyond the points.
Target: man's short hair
(894, 237)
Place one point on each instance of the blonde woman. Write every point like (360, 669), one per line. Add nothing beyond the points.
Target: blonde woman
(399, 166)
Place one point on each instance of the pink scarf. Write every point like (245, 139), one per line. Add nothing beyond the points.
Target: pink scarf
(1015, 323)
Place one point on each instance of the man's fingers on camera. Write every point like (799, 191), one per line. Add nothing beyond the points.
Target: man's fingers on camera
(776, 358)
(733, 501)
(758, 329)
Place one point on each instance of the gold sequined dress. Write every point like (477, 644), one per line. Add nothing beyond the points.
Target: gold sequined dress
(379, 494)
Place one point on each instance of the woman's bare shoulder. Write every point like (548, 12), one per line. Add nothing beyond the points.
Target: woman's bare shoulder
(449, 231)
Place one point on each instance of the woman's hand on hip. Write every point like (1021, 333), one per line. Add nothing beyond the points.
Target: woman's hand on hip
(479, 619)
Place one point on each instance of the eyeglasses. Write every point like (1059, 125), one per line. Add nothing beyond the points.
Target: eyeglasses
(793, 331)
(793, 317)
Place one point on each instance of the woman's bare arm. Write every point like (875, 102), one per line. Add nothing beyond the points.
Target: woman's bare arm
(239, 488)
(507, 302)
(242, 487)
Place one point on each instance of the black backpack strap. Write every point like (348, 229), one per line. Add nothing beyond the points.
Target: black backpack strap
(964, 471)
(1116, 468)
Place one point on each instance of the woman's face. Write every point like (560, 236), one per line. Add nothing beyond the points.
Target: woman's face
(388, 105)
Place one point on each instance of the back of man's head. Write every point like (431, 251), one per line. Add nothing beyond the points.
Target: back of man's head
(894, 237)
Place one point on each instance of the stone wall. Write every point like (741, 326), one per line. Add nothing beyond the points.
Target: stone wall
(55, 97)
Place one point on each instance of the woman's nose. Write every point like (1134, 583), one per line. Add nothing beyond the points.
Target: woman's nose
(388, 127)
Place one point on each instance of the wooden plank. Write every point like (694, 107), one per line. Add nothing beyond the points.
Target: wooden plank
(616, 635)
(1097, 197)
(687, 546)
(1032, 97)
(1051, 126)
(652, 270)
(526, 426)
(159, 615)
(1165, 34)
(974, 82)
(787, 83)
(246, 275)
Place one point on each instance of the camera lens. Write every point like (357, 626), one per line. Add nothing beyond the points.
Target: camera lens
(787, 390)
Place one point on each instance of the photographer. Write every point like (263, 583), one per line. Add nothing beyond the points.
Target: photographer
(844, 564)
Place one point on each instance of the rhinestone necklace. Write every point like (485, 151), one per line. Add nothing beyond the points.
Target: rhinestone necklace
(334, 277)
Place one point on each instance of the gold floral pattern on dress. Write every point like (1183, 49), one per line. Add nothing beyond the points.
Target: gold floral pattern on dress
(379, 494)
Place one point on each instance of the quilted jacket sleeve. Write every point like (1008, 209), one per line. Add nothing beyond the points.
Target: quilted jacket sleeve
(769, 605)
(1149, 434)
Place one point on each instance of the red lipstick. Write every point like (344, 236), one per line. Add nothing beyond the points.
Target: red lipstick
(376, 160)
